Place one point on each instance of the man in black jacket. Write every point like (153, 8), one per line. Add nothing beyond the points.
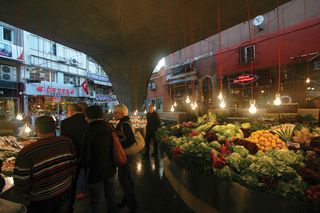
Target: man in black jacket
(73, 127)
(97, 157)
(153, 123)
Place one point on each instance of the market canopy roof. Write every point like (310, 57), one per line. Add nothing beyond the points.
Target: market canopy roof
(127, 38)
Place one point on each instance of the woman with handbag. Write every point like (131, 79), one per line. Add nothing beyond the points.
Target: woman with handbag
(127, 138)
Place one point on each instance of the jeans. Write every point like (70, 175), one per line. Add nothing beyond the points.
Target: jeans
(152, 137)
(58, 204)
(98, 192)
(126, 183)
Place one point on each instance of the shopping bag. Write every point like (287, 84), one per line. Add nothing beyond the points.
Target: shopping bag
(137, 146)
(119, 156)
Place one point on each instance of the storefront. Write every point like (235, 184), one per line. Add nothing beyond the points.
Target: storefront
(9, 93)
(44, 98)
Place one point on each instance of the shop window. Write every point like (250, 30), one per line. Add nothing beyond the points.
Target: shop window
(247, 54)
(7, 34)
(70, 79)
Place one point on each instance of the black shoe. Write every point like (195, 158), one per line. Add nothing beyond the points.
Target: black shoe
(121, 204)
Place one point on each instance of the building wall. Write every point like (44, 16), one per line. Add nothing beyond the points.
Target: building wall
(290, 35)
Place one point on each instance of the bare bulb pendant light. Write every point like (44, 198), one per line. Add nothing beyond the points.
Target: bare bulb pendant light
(220, 96)
(252, 108)
(19, 117)
(308, 80)
(175, 104)
(172, 109)
(222, 104)
(188, 99)
(277, 100)
(27, 129)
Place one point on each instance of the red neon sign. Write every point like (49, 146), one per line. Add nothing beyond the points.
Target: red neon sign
(244, 79)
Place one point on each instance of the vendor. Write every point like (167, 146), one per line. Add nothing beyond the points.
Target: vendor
(6, 127)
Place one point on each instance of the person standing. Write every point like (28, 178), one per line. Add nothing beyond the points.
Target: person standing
(153, 123)
(74, 127)
(44, 170)
(97, 158)
(127, 138)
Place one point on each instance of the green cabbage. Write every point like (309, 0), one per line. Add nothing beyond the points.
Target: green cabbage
(243, 152)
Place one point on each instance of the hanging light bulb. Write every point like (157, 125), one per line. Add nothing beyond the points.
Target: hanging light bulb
(202, 98)
(145, 111)
(195, 104)
(277, 101)
(222, 104)
(193, 107)
(220, 96)
(187, 99)
(175, 104)
(308, 80)
(252, 108)
(172, 109)
(136, 112)
(27, 129)
(19, 117)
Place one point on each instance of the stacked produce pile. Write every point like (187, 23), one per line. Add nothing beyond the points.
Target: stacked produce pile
(267, 141)
(262, 161)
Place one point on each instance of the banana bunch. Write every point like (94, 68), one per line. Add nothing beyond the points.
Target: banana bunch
(285, 131)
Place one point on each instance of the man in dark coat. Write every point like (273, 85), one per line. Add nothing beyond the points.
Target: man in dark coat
(153, 123)
(74, 127)
(97, 158)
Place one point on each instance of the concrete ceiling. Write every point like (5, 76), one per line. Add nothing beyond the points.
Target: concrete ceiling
(128, 37)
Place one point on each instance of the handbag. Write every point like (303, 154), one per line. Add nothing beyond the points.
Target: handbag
(119, 156)
(138, 145)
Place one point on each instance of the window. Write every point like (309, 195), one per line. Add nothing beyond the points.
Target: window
(42, 75)
(159, 105)
(152, 85)
(54, 49)
(99, 90)
(34, 42)
(70, 79)
(7, 34)
(247, 54)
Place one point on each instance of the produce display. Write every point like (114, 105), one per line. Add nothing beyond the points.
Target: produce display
(302, 136)
(9, 143)
(285, 131)
(266, 141)
(8, 166)
(261, 161)
(138, 122)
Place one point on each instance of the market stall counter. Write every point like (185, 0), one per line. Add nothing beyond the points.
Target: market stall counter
(243, 167)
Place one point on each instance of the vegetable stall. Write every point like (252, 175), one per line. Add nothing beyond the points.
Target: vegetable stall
(280, 163)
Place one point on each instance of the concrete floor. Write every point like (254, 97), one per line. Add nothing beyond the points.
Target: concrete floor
(154, 192)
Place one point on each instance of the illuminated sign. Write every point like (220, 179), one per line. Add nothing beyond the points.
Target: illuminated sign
(244, 79)
(56, 91)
